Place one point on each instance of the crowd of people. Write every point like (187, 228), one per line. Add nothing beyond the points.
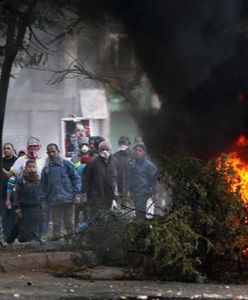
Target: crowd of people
(70, 192)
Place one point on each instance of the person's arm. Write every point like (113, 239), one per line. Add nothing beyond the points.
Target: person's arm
(76, 182)
(17, 197)
(86, 181)
(114, 180)
(86, 178)
(8, 204)
(43, 186)
(10, 190)
(18, 166)
(7, 174)
(130, 178)
(153, 176)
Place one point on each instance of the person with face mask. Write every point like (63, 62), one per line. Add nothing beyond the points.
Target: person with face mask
(79, 162)
(123, 157)
(16, 171)
(80, 159)
(99, 182)
(33, 148)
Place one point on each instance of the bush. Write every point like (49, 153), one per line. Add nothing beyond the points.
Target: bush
(203, 232)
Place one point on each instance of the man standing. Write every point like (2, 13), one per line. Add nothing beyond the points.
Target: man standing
(123, 157)
(142, 180)
(7, 209)
(100, 181)
(60, 188)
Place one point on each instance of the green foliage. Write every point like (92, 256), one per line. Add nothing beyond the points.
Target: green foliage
(104, 238)
(165, 248)
(205, 227)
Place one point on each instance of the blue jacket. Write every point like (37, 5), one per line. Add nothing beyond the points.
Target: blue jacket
(59, 183)
(142, 176)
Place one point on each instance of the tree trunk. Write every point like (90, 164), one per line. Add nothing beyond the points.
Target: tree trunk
(5, 78)
(16, 29)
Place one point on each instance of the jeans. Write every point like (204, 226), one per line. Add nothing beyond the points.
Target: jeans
(140, 201)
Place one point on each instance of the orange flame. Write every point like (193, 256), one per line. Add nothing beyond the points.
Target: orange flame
(237, 159)
(240, 166)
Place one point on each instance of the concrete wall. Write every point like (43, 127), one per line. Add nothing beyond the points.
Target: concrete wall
(36, 108)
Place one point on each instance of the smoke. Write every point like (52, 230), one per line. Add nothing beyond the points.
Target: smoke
(195, 54)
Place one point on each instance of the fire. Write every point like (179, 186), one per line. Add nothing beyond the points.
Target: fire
(240, 178)
(237, 161)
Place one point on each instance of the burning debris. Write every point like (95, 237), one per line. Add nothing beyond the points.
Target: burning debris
(235, 168)
(237, 161)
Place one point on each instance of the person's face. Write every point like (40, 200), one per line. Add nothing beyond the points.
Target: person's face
(31, 167)
(139, 152)
(138, 139)
(84, 149)
(52, 152)
(91, 143)
(8, 150)
(104, 148)
(33, 151)
(79, 131)
(123, 143)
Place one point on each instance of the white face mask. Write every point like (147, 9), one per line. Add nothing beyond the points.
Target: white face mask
(105, 154)
(85, 149)
(123, 147)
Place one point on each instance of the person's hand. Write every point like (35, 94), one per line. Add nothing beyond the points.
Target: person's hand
(18, 212)
(76, 200)
(8, 204)
(6, 173)
(84, 198)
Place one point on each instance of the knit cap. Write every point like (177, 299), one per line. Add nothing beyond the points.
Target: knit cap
(33, 141)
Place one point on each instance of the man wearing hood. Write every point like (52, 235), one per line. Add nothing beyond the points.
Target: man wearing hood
(123, 157)
(60, 188)
(99, 184)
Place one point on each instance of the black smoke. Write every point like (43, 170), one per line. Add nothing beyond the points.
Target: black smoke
(196, 56)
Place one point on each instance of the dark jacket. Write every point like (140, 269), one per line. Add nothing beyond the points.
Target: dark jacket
(142, 176)
(26, 194)
(123, 160)
(59, 182)
(99, 180)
